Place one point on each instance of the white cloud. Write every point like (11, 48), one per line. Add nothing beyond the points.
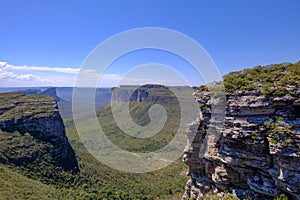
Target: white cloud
(9, 79)
(10, 76)
(18, 76)
(5, 74)
(22, 76)
(68, 70)
(28, 77)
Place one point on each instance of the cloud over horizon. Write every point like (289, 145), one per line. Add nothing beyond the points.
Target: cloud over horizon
(30, 76)
(68, 70)
(36, 76)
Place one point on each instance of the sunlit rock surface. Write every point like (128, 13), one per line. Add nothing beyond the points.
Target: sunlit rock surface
(258, 153)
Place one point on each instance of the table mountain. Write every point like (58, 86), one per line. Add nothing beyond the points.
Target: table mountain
(32, 131)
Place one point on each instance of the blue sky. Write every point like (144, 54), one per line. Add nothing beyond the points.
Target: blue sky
(44, 42)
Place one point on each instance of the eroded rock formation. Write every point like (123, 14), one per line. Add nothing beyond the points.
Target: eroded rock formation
(36, 120)
(257, 155)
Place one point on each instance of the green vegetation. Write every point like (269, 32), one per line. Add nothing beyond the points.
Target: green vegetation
(273, 141)
(16, 186)
(272, 80)
(21, 149)
(278, 132)
(255, 135)
(282, 197)
(203, 88)
(138, 110)
(42, 180)
(31, 157)
(21, 105)
(95, 180)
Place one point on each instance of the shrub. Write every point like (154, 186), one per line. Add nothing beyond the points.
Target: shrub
(273, 78)
(282, 197)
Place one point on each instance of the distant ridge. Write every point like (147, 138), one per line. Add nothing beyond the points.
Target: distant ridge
(51, 92)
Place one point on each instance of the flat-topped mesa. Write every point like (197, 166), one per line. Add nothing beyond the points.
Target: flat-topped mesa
(148, 93)
(258, 153)
(35, 119)
(129, 93)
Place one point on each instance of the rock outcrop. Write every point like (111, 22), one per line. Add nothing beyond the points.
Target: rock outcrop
(36, 119)
(257, 155)
(129, 93)
(147, 93)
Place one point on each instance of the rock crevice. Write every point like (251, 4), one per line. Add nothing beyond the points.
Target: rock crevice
(257, 155)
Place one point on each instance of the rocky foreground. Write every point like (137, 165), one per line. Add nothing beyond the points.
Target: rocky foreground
(257, 155)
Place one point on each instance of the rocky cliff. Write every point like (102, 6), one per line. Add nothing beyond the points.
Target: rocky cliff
(147, 93)
(257, 155)
(32, 131)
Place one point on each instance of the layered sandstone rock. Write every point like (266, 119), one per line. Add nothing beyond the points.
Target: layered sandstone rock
(257, 155)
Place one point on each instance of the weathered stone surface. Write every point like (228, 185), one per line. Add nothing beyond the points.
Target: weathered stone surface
(250, 159)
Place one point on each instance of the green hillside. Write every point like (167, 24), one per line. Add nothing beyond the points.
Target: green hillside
(16, 186)
(139, 112)
(272, 80)
(95, 180)
(98, 180)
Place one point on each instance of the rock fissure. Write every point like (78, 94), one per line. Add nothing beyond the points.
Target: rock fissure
(257, 154)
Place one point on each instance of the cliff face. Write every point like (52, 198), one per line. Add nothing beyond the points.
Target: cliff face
(132, 93)
(32, 130)
(257, 155)
(146, 93)
(128, 94)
